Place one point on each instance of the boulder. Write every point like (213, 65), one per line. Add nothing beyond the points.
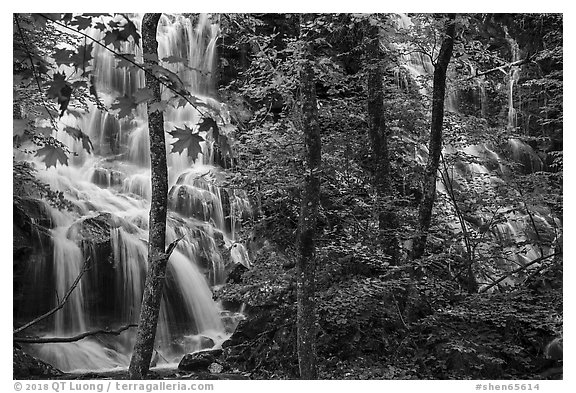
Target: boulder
(199, 361)
(27, 366)
(93, 230)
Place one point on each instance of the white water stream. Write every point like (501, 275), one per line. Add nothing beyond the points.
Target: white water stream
(115, 179)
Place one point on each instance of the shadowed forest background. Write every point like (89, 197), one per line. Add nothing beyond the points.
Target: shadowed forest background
(283, 196)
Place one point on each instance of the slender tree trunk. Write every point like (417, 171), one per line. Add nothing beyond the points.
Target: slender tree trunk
(157, 258)
(435, 145)
(379, 135)
(306, 266)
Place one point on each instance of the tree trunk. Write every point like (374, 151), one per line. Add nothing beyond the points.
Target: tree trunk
(306, 266)
(435, 145)
(379, 135)
(157, 258)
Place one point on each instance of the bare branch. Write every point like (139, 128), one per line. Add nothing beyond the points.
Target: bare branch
(501, 68)
(45, 340)
(518, 270)
(61, 304)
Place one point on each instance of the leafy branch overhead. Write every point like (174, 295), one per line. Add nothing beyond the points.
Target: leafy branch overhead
(68, 77)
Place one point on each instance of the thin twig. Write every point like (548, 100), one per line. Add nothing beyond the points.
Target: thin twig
(399, 313)
(45, 340)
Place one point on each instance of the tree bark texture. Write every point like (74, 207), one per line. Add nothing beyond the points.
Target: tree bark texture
(379, 135)
(435, 144)
(157, 258)
(306, 266)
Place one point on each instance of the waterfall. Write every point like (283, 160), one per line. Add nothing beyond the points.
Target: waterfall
(513, 76)
(110, 190)
(515, 235)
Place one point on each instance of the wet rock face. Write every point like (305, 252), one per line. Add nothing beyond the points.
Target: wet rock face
(30, 243)
(31, 223)
(27, 366)
(94, 236)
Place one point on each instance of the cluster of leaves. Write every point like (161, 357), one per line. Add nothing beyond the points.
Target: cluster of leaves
(54, 74)
(50, 63)
(26, 184)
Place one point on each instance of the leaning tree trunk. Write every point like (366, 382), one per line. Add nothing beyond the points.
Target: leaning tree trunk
(157, 257)
(306, 266)
(435, 145)
(379, 135)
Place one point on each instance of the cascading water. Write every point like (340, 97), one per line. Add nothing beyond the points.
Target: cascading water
(513, 76)
(110, 190)
(486, 165)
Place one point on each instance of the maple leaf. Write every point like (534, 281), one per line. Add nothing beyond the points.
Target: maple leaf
(124, 105)
(130, 30)
(79, 59)
(82, 22)
(186, 139)
(61, 90)
(112, 37)
(62, 56)
(100, 26)
(51, 155)
(56, 85)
